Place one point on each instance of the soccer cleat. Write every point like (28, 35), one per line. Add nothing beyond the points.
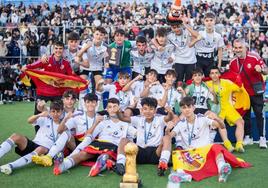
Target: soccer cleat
(6, 169)
(120, 169)
(248, 141)
(44, 160)
(110, 164)
(228, 145)
(225, 171)
(262, 143)
(162, 167)
(239, 147)
(99, 166)
(179, 177)
(57, 170)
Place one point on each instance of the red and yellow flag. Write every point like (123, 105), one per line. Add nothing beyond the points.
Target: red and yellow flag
(201, 162)
(54, 84)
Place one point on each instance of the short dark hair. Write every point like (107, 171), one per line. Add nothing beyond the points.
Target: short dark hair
(91, 97)
(141, 39)
(120, 31)
(59, 43)
(161, 32)
(197, 70)
(113, 101)
(101, 30)
(73, 36)
(171, 72)
(210, 15)
(153, 71)
(56, 105)
(123, 74)
(214, 67)
(149, 101)
(186, 101)
(69, 93)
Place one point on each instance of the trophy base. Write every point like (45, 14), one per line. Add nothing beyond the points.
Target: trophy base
(131, 185)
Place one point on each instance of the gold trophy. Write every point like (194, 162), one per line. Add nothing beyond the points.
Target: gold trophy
(131, 177)
(113, 57)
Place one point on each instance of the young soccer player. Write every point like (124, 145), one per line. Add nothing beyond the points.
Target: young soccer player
(150, 131)
(108, 133)
(45, 137)
(72, 130)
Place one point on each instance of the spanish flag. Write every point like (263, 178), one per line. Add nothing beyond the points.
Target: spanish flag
(54, 84)
(200, 163)
(25, 79)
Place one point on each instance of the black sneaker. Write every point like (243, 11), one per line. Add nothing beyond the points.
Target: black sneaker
(119, 169)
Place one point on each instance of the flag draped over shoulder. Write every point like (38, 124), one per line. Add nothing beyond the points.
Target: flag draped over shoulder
(54, 84)
(201, 162)
(25, 79)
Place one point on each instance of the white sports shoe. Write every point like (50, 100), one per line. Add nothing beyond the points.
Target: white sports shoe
(248, 141)
(6, 169)
(262, 143)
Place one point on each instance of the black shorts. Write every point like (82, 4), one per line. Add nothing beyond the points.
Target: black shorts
(9, 86)
(94, 73)
(2, 87)
(31, 146)
(104, 146)
(147, 156)
(200, 111)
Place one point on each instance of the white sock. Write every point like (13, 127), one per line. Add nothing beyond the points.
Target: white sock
(59, 144)
(165, 155)
(6, 146)
(220, 161)
(23, 161)
(87, 140)
(121, 159)
(67, 164)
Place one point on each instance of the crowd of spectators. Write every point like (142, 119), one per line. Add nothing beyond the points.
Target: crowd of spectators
(28, 32)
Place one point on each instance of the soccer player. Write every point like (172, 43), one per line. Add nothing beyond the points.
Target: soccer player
(105, 136)
(45, 137)
(150, 131)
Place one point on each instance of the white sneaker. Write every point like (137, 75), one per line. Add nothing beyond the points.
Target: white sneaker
(262, 143)
(248, 141)
(1, 102)
(6, 169)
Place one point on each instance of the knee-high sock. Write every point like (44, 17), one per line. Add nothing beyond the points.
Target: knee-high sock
(220, 161)
(165, 155)
(23, 161)
(121, 159)
(87, 140)
(67, 164)
(59, 144)
(6, 146)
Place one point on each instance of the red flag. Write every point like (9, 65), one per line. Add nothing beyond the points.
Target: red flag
(54, 84)
(200, 163)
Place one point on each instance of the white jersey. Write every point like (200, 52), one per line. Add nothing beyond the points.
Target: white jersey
(70, 56)
(201, 95)
(156, 91)
(125, 98)
(112, 132)
(172, 97)
(80, 123)
(184, 54)
(208, 44)
(140, 61)
(160, 61)
(137, 88)
(95, 56)
(47, 135)
(149, 134)
(194, 135)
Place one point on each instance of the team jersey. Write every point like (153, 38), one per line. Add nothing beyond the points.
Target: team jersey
(137, 88)
(47, 135)
(125, 98)
(80, 123)
(172, 97)
(95, 56)
(149, 134)
(70, 56)
(160, 61)
(208, 44)
(109, 131)
(140, 61)
(184, 54)
(224, 92)
(156, 91)
(194, 135)
(201, 95)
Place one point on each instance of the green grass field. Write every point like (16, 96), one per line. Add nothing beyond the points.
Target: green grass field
(13, 119)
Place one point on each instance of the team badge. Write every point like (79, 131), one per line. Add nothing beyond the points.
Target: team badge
(249, 66)
(62, 67)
